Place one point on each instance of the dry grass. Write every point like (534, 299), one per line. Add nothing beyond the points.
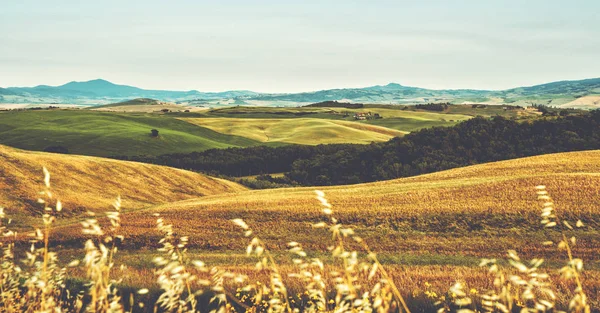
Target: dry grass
(354, 279)
(91, 183)
(455, 212)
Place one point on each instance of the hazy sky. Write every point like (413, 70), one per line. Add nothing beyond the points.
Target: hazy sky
(288, 46)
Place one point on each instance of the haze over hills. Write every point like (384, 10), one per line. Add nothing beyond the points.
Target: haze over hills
(100, 91)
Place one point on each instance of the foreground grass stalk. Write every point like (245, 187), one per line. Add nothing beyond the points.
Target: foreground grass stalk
(552, 220)
(385, 274)
(359, 285)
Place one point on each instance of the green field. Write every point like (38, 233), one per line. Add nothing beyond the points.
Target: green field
(109, 134)
(395, 117)
(306, 131)
(97, 133)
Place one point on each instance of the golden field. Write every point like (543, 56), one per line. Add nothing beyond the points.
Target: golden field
(430, 229)
(90, 183)
(476, 211)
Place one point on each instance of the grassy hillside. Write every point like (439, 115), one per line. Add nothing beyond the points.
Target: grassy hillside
(448, 213)
(108, 134)
(91, 183)
(91, 132)
(308, 131)
(430, 229)
(145, 105)
(395, 117)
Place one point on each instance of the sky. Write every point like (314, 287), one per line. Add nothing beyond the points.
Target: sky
(293, 46)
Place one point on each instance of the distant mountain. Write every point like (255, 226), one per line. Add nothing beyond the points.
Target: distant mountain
(100, 91)
(567, 87)
(396, 93)
(392, 92)
(4, 91)
(103, 91)
(101, 87)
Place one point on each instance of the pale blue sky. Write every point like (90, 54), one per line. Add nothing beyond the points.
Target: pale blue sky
(290, 46)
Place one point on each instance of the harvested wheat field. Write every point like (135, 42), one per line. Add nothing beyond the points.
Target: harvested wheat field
(475, 211)
(429, 231)
(89, 183)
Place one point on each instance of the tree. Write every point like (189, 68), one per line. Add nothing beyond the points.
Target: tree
(56, 149)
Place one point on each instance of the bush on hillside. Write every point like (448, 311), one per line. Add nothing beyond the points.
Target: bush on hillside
(57, 149)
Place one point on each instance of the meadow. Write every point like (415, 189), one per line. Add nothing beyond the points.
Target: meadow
(306, 131)
(429, 231)
(117, 133)
(108, 133)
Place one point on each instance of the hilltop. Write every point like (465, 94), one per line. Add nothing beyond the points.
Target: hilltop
(145, 105)
(132, 102)
(588, 102)
(91, 183)
(551, 93)
(109, 134)
(97, 91)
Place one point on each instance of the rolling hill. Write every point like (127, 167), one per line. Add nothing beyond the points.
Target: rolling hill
(393, 117)
(450, 214)
(429, 228)
(307, 131)
(587, 102)
(100, 91)
(108, 134)
(396, 93)
(89, 183)
(144, 105)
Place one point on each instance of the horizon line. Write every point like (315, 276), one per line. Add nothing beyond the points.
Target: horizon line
(299, 92)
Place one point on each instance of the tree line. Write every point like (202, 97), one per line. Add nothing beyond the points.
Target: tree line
(474, 141)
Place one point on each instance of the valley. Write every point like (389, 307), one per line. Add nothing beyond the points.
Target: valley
(431, 188)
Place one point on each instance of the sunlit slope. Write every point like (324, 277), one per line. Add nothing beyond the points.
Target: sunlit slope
(398, 118)
(477, 210)
(91, 183)
(588, 102)
(309, 131)
(108, 134)
(141, 105)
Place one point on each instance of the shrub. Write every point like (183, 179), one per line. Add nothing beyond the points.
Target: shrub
(57, 149)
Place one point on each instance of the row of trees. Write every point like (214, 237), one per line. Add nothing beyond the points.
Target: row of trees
(433, 106)
(474, 141)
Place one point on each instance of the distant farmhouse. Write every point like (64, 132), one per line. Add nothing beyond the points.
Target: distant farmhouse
(366, 116)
